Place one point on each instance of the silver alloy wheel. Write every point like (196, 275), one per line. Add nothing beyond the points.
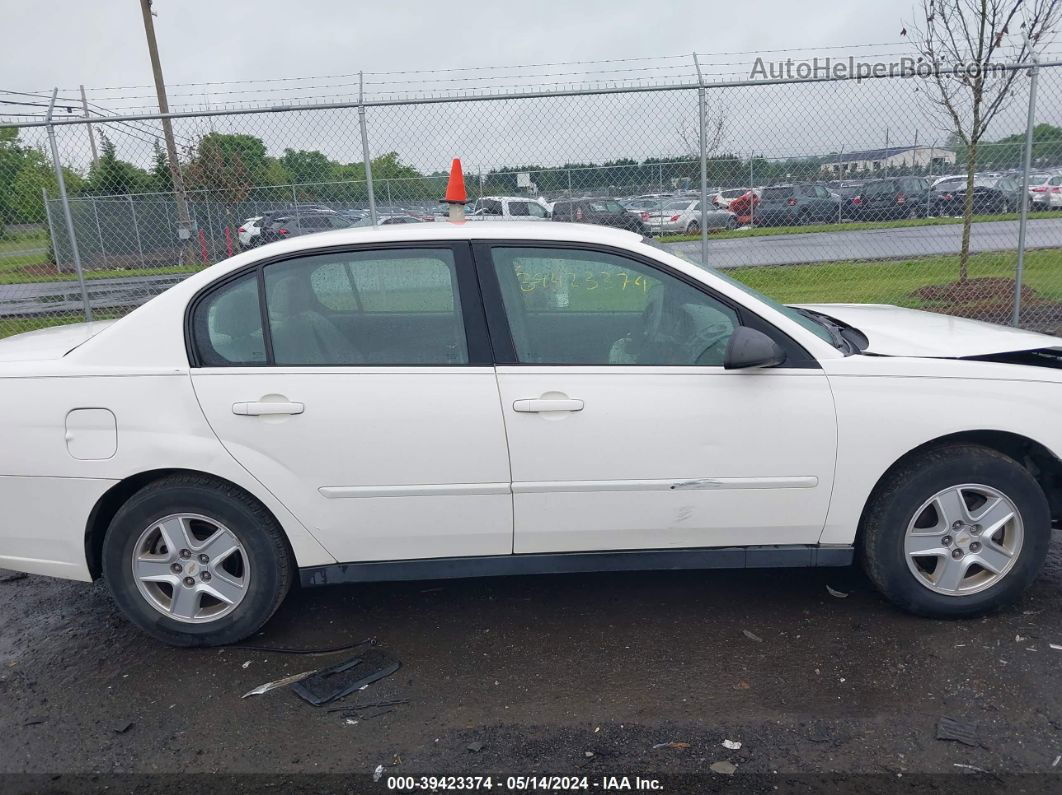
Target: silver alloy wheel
(191, 568)
(963, 539)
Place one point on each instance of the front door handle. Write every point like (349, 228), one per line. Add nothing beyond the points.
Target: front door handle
(258, 408)
(534, 405)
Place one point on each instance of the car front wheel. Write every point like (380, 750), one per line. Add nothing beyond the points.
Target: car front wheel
(956, 531)
(194, 562)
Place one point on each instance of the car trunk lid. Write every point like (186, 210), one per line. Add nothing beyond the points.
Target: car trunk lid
(49, 343)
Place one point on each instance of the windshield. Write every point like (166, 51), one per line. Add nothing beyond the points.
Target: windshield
(817, 328)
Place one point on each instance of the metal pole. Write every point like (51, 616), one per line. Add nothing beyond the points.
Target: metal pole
(51, 229)
(752, 192)
(99, 232)
(1023, 216)
(840, 203)
(184, 219)
(570, 195)
(136, 230)
(74, 253)
(92, 138)
(929, 178)
(365, 147)
(702, 111)
(294, 203)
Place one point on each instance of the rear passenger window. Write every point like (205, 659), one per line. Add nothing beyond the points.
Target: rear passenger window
(388, 307)
(227, 325)
(518, 208)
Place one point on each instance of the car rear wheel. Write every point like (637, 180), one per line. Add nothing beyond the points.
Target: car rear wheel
(957, 531)
(693, 229)
(193, 562)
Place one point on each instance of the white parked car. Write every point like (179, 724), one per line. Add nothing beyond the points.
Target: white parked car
(250, 232)
(1045, 190)
(415, 401)
(684, 217)
(509, 208)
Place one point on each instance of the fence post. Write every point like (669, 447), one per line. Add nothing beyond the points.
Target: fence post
(136, 229)
(1023, 218)
(74, 253)
(51, 229)
(365, 147)
(702, 111)
(840, 204)
(99, 232)
(752, 191)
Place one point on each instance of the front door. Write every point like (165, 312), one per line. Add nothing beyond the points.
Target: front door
(365, 401)
(625, 431)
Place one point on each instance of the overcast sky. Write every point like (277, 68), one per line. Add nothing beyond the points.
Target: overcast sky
(101, 45)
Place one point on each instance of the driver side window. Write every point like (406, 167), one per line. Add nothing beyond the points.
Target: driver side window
(570, 306)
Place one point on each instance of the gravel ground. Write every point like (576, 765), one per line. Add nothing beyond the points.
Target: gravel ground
(572, 675)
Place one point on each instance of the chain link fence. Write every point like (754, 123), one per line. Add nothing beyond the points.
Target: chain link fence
(821, 190)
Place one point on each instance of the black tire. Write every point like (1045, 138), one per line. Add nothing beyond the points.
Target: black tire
(693, 228)
(271, 564)
(732, 222)
(893, 505)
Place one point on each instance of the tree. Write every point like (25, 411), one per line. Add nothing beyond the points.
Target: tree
(111, 175)
(966, 41)
(218, 165)
(161, 175)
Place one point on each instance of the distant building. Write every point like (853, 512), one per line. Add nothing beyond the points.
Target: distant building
(892, 157)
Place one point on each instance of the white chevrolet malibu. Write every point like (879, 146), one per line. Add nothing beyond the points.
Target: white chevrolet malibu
(439, 400)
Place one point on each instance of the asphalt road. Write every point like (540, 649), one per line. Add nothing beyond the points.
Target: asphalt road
(577, 675)
(45, 298)
(871, 244)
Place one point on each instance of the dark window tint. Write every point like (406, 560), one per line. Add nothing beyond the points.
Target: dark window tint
(489, 207)
(227, 325)
(518, 208)
(776, 193)
(570, 306)
(381, 307)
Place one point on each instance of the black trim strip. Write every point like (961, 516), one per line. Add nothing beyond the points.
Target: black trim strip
(794, 555)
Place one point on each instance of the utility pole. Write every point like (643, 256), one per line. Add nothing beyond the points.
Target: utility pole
(92, 137)
(184, 220)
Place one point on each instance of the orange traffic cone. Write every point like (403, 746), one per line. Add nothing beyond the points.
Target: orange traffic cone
(455, 192)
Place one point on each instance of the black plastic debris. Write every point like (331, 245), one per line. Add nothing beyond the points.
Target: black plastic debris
(958, 731)
(12, 576)
(122, 726)
(342, 679)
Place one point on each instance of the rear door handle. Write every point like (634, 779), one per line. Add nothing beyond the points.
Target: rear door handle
(258, 408)
(534, 405)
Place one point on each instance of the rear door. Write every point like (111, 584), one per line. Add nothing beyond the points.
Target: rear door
(358, 387)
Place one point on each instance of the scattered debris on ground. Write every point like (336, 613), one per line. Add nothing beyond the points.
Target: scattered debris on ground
(123, 726)
(752, 636)
(287, 680)
(475, 747)
(342, 679)
(12, 576)
(733, 745)
(835, 593)
(958, 731)
(723, 768)
(673, 744)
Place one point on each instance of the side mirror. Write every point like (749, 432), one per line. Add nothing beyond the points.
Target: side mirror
(750, 348)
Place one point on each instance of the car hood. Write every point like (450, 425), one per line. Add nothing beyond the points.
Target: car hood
(49, 343)
(895, 331)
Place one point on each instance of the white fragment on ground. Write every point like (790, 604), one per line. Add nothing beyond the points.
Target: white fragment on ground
(351, 722)
(1055, 646)
(733, 745)
(835, 593)
(246, 665)
(970, 767)
(287, 680)
(752, 636)
(1019, 638)
(377, 774)
(1057, 760)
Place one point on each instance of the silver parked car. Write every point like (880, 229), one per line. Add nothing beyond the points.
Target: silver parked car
(684, 216)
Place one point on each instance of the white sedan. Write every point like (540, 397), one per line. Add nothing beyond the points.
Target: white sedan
(441, 400)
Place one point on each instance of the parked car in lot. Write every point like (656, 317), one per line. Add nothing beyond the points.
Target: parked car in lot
(249, 232)
(796, 204)
(304, 223)
(265, 421)
(605, 212)
(388, 220)
(683, 216)
(722, 198)
(1046, 191)
(517, 208)
(884, 199)
(992, 194)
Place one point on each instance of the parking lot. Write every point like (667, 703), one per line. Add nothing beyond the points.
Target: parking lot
(622, 674)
